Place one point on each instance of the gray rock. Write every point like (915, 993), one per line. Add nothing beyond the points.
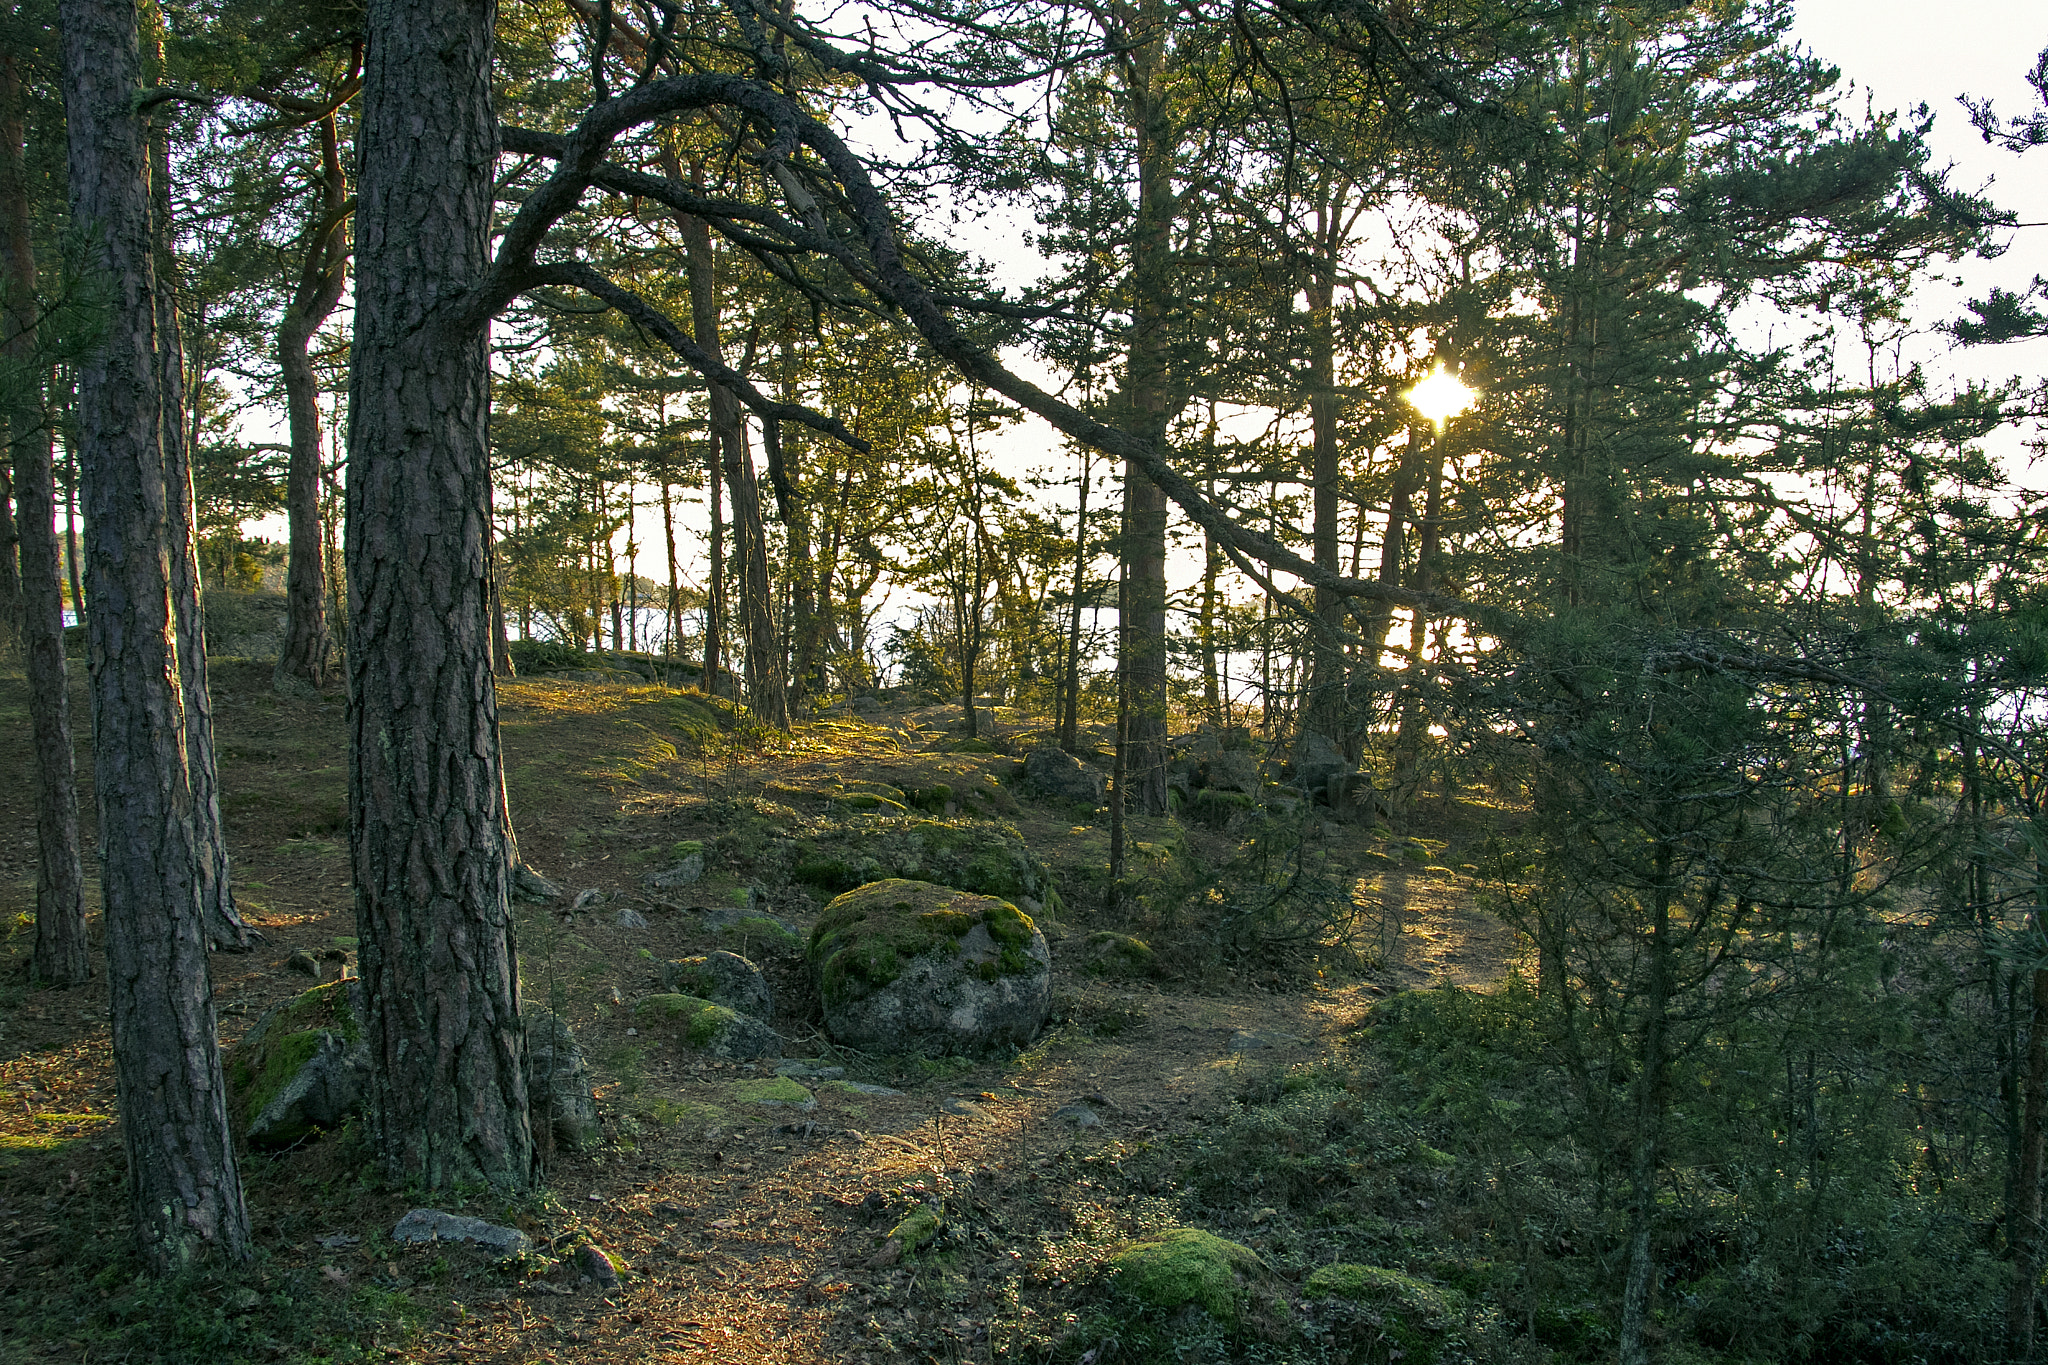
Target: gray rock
(595, 1264)
(714, 1029)
(431, 1225)
(966, 1109)
(1318, 763)
(558, 1083)
(864, 1088)
(1234, 770)
(528, 885)
(1077, 1116)
(325, 1090)
(302, 962)
(301, 1067)
(1055, 775)
(804, 1070)
(629, 918)
(962, 973)
(585, 899)
(724, 979)
(686, 872)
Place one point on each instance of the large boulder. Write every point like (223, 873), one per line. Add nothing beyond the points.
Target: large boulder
(712, 1029)
(983, 856)
(909, 966)
(1235, 770)
(1317, 764)
(1177, 1269)
(558, 1083)
(1053, 774)
(724, 979)
(301, 1068)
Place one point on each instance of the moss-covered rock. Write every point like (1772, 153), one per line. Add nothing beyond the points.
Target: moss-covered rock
(558, 1084)
(1418, 1317)
(708, 1027)
(724, 979)
(752, 932)
(775, 1092)
(1186, 1267)
(909, 966)
(973, 855)
(301, 1068)
(1118, 956)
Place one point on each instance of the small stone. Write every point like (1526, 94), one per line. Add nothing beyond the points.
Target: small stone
(629, 918)
(965, 1109)
(585, 899)
(806, 1070)
(431, 1225)
(594, 1263)
(303, 963)
(688, 871)
(1078, 1116)
(528, 885)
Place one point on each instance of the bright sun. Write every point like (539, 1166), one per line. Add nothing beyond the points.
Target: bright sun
(1441, 396)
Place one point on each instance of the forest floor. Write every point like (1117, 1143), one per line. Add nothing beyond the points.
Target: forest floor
(746, 1233)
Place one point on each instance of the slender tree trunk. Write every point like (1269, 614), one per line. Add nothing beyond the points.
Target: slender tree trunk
(1646, 1155)
(305, 662)
(1327, 712)
(2023, 1218)
(224, 926)
(73, 568)
(62, 955)
(1408, 740)
(1070, 720)
(428, 827)
(10, 563)
(675, 597)
(185, 1195)
(1143, 548)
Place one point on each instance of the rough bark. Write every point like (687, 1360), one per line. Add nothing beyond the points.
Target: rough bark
(1144, 539)
(306, 660)
(62, 955)
(225, 928)
(185, 1194)
(2024, 1219)
(428, 831)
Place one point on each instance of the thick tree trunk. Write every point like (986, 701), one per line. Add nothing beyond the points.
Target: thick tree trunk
(62, 956)
(305, 662)
(224, 926)
(185, 1194)
(428, 828)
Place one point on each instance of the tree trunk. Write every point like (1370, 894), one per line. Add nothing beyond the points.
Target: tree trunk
(1144, 541)
(2023, 1218)
(673, 648)
(185, 1195)
(306, 660)
(765, 692)
(10, 549)
(1070, 719)
(428, 827)
(1327, 709)
(1646, 1154)
(62, 955)
(225, 928)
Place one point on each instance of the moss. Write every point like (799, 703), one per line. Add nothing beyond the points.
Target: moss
(865, 938)
(920, 1227)
(973, 855)
(278, 1060)
(683, 849)
(1182, 1266)
(773, 1090)
(758, 930)
(1414, 1313)
(1112, 954)
(673, 1006)
(1214, 807)
(707, 1024)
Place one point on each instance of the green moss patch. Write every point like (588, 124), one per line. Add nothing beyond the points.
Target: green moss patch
(1417, 1316)
(1181, 1266)
(758, 931)
(773, 1090)
(865, 938)
(698, 1020)
(919, 1228)
(984, 856)
(284, 1041)
(1115, 955)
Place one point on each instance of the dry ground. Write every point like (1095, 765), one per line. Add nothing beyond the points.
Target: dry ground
(748, 1232)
